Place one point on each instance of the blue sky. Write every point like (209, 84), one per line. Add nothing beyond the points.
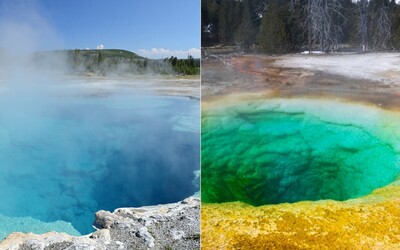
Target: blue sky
(153, 28)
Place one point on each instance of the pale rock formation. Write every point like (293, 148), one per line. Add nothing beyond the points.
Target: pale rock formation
(169, 226)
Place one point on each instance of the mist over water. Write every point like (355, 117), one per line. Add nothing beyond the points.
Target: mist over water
(66, 153)
(96, 153)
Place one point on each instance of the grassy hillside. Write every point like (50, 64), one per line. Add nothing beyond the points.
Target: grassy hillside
(115, 61)
(116, 53)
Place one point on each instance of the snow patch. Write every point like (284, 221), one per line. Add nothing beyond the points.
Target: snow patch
(312, 52)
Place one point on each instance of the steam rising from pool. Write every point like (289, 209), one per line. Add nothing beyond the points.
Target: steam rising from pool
(287, 150)
(67, 152)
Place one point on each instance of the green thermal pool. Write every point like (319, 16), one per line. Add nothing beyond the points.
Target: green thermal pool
(287, 150)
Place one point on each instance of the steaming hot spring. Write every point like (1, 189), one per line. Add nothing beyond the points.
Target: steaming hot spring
(301, 152)
(68, 150)
(297, 171)
(278, 150)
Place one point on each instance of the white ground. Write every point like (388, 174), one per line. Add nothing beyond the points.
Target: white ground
(373, 66)
(189, 86)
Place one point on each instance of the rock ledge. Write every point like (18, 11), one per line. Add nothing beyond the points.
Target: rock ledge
(169, 226)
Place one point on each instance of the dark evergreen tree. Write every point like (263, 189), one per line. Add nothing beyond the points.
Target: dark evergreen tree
(245, 34)
(272, 36)
(101, 58)
(209, 22)
(294, 15)
(223, 25)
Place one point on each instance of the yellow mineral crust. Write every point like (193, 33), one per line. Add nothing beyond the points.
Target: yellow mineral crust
(369, 222)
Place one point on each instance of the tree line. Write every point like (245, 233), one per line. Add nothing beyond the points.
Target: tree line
(279, 26)
(189, 66)
(105, 62)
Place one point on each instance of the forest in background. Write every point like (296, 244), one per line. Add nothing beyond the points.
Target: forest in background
(281, 26)
(114, 62)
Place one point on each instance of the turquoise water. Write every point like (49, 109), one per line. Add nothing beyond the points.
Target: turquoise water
(275, 151)
(64, 158)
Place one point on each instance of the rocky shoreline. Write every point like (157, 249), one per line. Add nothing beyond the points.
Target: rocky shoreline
(169, 226)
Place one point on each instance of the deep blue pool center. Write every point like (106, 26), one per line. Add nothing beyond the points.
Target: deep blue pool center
(65, 158)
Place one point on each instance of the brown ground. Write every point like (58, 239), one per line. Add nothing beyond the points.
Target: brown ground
(257, 73)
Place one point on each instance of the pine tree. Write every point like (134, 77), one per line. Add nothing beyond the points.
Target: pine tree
(223, 26)
(245, 34)
(272, 37)
(294, 15)
(101, 58)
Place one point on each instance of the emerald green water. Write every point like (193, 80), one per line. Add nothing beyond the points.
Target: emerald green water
(275, 151)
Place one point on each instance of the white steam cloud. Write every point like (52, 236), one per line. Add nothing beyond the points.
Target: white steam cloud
(101, 46)
(23, 29)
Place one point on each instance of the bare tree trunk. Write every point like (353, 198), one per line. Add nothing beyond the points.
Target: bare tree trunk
(373, 25)
(323, 23)
(337, 20)
(291, 5)
(362, 27)
(314, 22)
(382, 27)
(309, 29)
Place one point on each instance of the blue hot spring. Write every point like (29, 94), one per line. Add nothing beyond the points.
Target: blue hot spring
(66, 158)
